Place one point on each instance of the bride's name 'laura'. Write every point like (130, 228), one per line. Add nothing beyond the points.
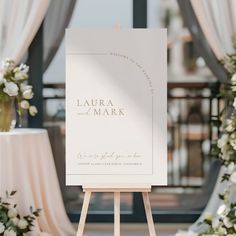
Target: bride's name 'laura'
(99, 107)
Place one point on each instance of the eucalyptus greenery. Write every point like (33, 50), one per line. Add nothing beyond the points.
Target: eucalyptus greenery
(225, 149)
(11, 223)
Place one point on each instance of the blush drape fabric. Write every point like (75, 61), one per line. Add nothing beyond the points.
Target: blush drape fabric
(218, 21)
(19, 22)
(26, 165)
(56, 20)
(21, 19)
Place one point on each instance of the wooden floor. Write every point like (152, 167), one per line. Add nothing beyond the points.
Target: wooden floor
(133, 229)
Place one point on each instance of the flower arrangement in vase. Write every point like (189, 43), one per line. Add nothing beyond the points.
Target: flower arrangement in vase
(15, 93)
(11, 223)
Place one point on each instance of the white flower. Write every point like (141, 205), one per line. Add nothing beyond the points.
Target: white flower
(231, 168)
(225, 147)
(208, 216)
(233, 141)
(233, 88)
(21, 72)
(20, 76)
(225, 153)
(25, 104)
(24, 87)
(9, 233)
(15, 220)
(28, 94)
(221, 210)
(227, 222)
(233, 79)
(223, 140)
(230, 126)
(234, 103)
(12, 213)
(33, 110)
(7, 65)
(22, 68)
(22, 224)
(226, 195)
(222, 231)
(215, 223)
(11, 89)
(235, 226)
(233, 178)
(2, 227)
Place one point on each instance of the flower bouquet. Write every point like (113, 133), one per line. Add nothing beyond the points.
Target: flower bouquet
(11, 223)
(15, 93)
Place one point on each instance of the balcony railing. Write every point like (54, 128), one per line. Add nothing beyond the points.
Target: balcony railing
(192, 106)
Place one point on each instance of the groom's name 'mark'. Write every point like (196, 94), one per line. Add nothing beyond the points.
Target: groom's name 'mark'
(98, 107)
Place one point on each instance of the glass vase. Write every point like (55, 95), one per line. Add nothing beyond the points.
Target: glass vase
(7, 115)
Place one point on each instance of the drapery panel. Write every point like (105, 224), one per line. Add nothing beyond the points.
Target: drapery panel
(218, 21)
(57, 19)
(19, 22)
(208, 44)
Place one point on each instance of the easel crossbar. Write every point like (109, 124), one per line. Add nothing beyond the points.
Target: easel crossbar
(89, 189)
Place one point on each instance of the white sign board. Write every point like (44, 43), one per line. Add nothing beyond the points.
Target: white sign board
(116, 106)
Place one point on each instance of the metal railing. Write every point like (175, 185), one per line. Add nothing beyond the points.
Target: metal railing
(191, 109)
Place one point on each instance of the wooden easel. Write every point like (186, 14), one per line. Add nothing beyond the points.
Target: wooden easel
(117, 189)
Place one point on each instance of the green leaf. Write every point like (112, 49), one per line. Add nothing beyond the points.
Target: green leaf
(6, 203)
(225, 177)
(221, 196)
(13, 193)
(3, 217)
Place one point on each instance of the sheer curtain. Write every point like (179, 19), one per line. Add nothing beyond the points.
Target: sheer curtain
(212, 38)
(57, 19)
(19, 22)
(218, 21)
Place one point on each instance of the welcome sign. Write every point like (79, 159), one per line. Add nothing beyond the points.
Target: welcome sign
(116, 106)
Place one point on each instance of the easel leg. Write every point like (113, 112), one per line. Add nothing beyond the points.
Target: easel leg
(148, 211)
(116, 213)
(84, 213)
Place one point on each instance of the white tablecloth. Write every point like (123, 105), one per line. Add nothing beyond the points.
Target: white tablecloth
(27, 165)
